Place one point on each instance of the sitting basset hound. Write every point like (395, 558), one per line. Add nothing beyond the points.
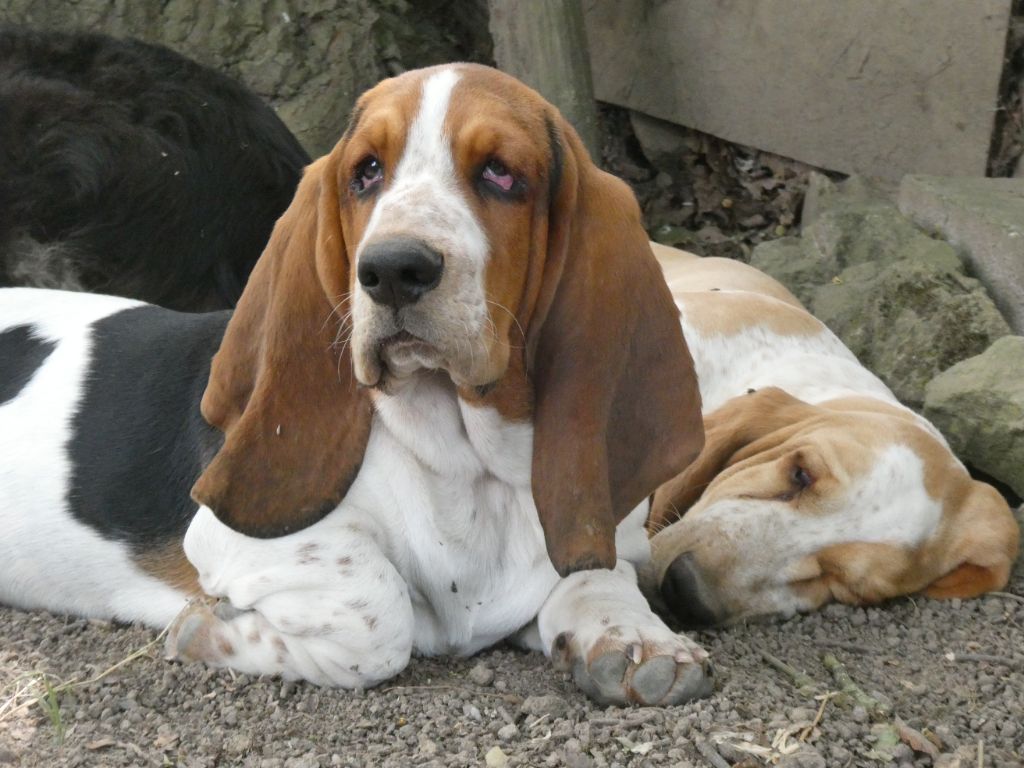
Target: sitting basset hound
(434, 420)
(814, 484)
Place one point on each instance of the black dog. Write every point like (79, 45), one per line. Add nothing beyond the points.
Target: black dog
(128, 169)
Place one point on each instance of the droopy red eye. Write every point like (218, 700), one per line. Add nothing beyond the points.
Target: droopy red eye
(497, 174)
(368, 173)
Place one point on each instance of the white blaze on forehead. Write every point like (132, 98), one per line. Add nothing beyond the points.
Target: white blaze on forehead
(423, 198)
(427, 147)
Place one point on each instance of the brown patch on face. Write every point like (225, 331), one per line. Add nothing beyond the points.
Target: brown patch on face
(169, 565)
(616, 408)
(728, 314)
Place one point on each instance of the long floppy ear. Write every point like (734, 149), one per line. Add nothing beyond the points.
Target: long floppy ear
(616, 403)
(295, 423)
(740, 427)
(980, 546)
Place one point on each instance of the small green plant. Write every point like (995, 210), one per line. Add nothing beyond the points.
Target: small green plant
(50, 702)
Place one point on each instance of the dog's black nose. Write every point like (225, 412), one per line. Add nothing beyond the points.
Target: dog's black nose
(399, 272)
(684, 593)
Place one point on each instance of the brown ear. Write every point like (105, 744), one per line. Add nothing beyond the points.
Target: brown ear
(295, 424)
(980, 546)
(617, 408)
(741, 427)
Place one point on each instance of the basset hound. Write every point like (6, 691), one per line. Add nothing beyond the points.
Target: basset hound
(434, 420)
(126, 168)
(814, 484)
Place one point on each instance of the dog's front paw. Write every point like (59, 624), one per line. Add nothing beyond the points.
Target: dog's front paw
(197, 633)
(629, 665)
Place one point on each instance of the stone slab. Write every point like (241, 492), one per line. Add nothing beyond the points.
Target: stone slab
(984, 220)
(979, 406)
(879, 87)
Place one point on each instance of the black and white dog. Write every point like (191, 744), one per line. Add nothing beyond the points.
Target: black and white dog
(125, 168)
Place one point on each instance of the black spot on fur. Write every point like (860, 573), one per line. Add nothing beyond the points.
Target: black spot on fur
(125, 168)
(139, 441)
(22, 354)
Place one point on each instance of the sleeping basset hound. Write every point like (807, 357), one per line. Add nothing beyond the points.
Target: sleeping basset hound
(814, 484)
(434, 420)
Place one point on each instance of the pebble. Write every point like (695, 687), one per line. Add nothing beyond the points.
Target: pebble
(554, 706)
(507, 732)
(805, 757)
(482, 674)
(496, 758)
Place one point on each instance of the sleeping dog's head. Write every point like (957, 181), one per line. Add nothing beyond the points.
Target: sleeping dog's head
(458, 227)
(792, 505)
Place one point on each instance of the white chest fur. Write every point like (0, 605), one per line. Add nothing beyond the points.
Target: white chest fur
(441, 517)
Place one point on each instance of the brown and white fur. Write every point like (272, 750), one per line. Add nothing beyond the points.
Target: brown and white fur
(434, 421)
(815, 484)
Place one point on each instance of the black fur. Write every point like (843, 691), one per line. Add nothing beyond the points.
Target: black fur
(22, 354)
(128, 169)
(139, 441)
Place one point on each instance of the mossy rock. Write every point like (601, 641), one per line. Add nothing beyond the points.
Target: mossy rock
(909, 320)
(979, 406)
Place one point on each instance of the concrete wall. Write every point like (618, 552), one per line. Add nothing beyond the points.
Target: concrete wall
(881, 87)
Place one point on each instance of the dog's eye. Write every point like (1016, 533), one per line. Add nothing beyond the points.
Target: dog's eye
(368, 173)
(497, 174)
(801, 477)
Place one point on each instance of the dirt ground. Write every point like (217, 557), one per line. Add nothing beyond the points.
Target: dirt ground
(944, 683)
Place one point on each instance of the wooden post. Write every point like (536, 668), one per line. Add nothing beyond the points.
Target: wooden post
(544, 44)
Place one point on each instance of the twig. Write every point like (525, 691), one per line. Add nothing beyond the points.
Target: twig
(981, 754)
(800, 680)
(710, 753)
(817, 718)
(842, 645)
(9, 708)
(1007, 596)
(851, 689)
(1006, 661)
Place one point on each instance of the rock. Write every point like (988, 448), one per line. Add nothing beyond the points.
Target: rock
(799, 269)
(979, 406)
(909, 320)
(554, 706)
(481, 674)
(899, 299)
(508, 731)
(663, 143)
(496, 758)
(805, 757)
(984, 220)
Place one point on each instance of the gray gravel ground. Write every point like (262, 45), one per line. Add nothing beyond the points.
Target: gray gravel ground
(944, 678)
